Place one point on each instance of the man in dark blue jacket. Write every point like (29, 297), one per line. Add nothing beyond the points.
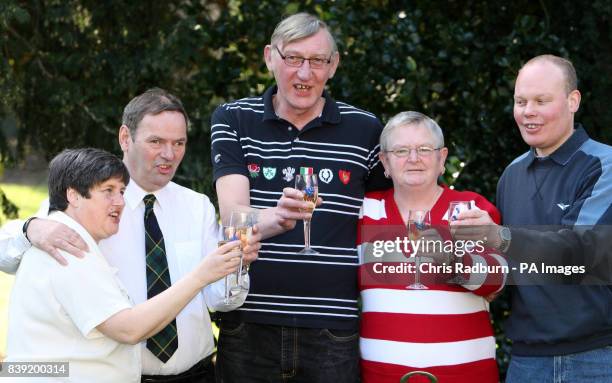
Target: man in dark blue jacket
(555, 202)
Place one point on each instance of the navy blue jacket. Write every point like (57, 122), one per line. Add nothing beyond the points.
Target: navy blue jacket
(571, 188)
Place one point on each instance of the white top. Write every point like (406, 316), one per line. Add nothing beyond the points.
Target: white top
(191, 230)
(189, 224)
(54, 311)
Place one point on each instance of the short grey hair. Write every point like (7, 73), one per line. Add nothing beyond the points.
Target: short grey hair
(411, 118)
(300, 26)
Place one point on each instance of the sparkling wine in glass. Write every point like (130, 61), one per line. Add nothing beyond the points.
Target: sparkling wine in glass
(229, 234)
(418, 222)
(306, 182)
(243, 223)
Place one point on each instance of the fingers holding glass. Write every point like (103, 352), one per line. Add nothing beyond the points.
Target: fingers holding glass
(243, 223)
(239, 227)
(455, 208)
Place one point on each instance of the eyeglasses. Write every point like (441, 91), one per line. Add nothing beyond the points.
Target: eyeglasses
(297, 61)
(421, 151)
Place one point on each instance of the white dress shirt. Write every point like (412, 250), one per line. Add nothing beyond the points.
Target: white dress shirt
(189, 224)
(54, 311)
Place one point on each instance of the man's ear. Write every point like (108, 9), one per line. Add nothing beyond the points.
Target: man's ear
(125, 138)
(268, 56)
(573, 100)
(335, 61)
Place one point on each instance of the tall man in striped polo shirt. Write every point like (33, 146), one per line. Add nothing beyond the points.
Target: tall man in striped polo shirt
(300, 319)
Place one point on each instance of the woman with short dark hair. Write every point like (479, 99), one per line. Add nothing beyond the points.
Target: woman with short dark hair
(80, 313)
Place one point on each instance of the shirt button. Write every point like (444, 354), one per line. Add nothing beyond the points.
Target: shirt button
(289, 128)
(297, 139)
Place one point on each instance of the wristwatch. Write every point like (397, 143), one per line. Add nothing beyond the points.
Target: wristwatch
(505, 235)
(24, 228)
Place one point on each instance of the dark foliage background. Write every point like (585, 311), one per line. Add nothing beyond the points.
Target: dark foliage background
(67, 68)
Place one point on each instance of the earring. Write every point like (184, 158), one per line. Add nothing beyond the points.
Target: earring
(387, 175)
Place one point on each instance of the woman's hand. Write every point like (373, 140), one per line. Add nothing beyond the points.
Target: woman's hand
(221, 262)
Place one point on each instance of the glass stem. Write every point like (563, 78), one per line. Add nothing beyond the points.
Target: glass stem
(239, 271)
(417, 276)
(227, 290)
(307, 233)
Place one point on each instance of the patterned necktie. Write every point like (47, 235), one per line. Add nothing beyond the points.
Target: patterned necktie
(164, 343)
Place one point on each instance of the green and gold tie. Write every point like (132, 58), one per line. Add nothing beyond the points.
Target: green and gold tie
(164, 343)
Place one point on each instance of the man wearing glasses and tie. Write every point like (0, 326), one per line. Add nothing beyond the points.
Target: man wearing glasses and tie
(164, 232)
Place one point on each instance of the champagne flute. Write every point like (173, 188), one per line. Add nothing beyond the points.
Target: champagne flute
(306, 182)
(242, 222)
(229, 234)
(418, 222)
(454, 208)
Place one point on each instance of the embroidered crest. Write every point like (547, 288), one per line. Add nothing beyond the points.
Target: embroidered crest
(269, 173)
(326, 175)
(345, 176)
(288, 173)
(253, 170)
(217, 158)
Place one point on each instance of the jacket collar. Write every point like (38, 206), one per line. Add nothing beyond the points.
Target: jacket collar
(564, 153)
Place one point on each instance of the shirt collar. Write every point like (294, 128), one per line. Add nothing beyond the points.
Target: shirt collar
(134, 194)
(564, 152)
(330, 114)
(60, 216)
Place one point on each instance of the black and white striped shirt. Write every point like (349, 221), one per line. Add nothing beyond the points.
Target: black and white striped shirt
(341, 145)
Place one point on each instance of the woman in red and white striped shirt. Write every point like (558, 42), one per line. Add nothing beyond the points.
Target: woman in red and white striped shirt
(444, 329)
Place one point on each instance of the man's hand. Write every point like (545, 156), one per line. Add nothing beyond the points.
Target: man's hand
(51, 236)
(253, 246)
(291, 207)
(476, 225)
(234, 195)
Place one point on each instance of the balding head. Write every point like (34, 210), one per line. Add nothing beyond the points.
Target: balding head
(566, 67)
(545, 101)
